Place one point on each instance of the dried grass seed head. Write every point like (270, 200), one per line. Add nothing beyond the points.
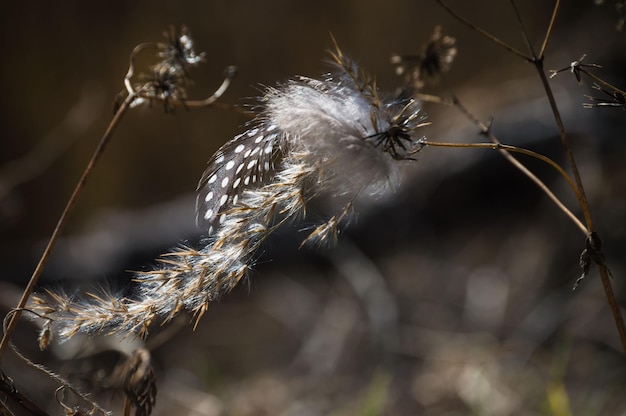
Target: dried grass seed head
(336, 136)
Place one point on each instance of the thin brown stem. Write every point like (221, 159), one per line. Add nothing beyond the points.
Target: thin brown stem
(523, 28)
(127, 405)
(568, 150)
(505, 149)
(231, 72)
(538, 63)
(8, 388)
(483, 32)
(64, 383)
(605, 277)
(131, 66)
(600, 81)
(546, 38)
(486, 131)
(4, 410)
(62, 222)
(602, 268)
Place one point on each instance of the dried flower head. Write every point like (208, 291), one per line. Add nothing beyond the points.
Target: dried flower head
(435, 59)
(575, 67)
(165, 83)
(616, 97)
(179, 49)
(167, 80)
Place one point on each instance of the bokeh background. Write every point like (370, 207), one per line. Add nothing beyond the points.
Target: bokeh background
(451, 296)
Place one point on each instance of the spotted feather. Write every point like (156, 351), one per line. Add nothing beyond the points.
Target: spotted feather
(243, 163)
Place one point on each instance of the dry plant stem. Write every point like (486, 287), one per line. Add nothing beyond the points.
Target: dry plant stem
(4, 411)
(505, 149)
(614, 306)
(132, 96)
(64, 384)
(548, 35)
(131, 66)
(537, 61)
(600, 81)
(61, 223)
(7, 387)
(519, 165)
(39, 367)
(127, 405)
(521, 24)
(602, 268)
(230, 74)
(568, 150)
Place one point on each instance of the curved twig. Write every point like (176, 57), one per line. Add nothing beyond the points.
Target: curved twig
(230, 74)
(543, 186)
(131, 66)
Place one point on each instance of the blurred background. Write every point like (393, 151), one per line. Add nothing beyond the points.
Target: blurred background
(451, 296)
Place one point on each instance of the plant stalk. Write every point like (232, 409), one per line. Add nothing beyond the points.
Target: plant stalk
(30, 287)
